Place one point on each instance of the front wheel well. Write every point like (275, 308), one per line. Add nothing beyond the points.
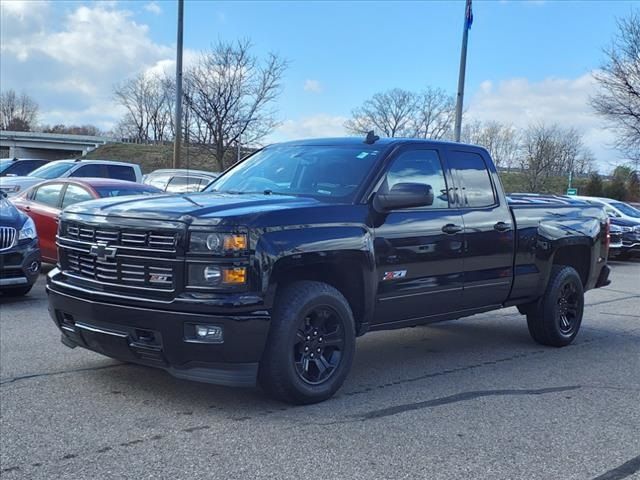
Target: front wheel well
(345, 277)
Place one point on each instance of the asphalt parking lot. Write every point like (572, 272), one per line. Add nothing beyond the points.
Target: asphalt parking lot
(469, 399)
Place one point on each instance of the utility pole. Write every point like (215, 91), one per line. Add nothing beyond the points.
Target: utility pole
(468, 20)
(178, 121)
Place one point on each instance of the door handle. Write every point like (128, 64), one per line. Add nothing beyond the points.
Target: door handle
(451, 229)
(502, 227)
(27, 208)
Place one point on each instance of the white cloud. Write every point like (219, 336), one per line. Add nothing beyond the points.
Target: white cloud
(153, 7)
(319, 125)
(69, 60)
(313, 86)
(564, 101)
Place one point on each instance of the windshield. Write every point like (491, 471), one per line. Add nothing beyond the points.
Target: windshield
(51, 170)
(330, 172)
(626, 209)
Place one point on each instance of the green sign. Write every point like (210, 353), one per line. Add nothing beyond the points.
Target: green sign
(572, 191)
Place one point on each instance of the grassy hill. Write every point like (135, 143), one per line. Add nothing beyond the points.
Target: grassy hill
(152, 157)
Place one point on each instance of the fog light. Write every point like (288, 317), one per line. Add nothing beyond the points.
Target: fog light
(203, 333)
(212, 274)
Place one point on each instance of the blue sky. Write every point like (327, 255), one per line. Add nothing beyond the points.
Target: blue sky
(528, 60)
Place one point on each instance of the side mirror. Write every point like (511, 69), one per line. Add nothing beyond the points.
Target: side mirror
(403, 195)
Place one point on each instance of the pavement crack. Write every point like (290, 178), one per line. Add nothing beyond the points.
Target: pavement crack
(459, 397)
(620, 314)
(625, 470)
(603, 302)
(59, 372)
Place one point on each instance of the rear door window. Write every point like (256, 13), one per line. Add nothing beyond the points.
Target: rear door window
(474, 181)
(48, 194)
(121, 172)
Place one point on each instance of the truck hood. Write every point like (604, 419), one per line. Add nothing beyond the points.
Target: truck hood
(192, 208)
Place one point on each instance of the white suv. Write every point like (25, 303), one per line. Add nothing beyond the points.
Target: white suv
(72, 168)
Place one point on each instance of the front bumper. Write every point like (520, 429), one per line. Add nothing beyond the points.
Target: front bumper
(20, 265)
(156, 337)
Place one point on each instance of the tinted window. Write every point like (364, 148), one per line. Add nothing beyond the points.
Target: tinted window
(48, 194)
(121, 172)
(75, 194)
(474, 178)
(23, 167)
(96, 170)
(420, 166)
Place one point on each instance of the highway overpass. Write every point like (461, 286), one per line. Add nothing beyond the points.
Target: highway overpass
(51, 146)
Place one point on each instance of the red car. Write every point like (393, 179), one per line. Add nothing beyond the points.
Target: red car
(44, 202)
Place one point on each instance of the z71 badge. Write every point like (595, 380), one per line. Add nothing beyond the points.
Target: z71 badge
(394, 275)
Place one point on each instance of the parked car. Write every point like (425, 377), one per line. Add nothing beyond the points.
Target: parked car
(615, 239)
(615, 208)
(72, 169)
(629, 232)
(270, 274)
(180, 180)
(16, 167)
(44, 202)
(19, 252)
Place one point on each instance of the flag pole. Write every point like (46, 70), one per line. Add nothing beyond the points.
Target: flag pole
(468, 20)
(178, 121)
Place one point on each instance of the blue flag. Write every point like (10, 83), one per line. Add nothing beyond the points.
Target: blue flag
(469, 15)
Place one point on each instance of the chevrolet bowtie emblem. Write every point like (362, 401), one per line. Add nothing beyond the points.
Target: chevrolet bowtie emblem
(102, 251)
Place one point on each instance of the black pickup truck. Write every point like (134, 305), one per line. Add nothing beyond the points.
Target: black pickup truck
(270, 274)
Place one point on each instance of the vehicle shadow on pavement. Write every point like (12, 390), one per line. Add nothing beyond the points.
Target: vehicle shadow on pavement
(383, 360)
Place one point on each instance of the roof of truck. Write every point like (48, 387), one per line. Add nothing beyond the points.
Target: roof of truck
(383, 141)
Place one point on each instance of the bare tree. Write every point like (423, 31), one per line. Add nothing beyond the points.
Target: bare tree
(549, 151)
(231, 94)
(17, 112)
(619, 79)
(502, 141)
(132, 95)
(436, 114)
(393, 113)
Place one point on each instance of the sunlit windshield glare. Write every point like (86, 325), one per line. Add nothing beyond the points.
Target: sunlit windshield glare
(51, 170)
(319, 171)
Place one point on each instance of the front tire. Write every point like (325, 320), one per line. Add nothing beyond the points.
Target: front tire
(311, 344)
(556, 318)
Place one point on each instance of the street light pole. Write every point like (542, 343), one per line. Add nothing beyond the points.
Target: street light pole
(178, 120)
(468, 20)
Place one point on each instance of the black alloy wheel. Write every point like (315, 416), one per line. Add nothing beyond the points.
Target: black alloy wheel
(317, 351)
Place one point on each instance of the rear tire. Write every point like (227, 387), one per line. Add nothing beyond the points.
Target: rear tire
(16, 291)
(556, 318)
(310, 346)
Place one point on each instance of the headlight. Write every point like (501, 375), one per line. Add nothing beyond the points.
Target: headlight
(28, 230)
(202, 242)
(203, 275)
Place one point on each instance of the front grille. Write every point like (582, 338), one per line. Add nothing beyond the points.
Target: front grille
(7, 237)
(151, 240)
(119, 271)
